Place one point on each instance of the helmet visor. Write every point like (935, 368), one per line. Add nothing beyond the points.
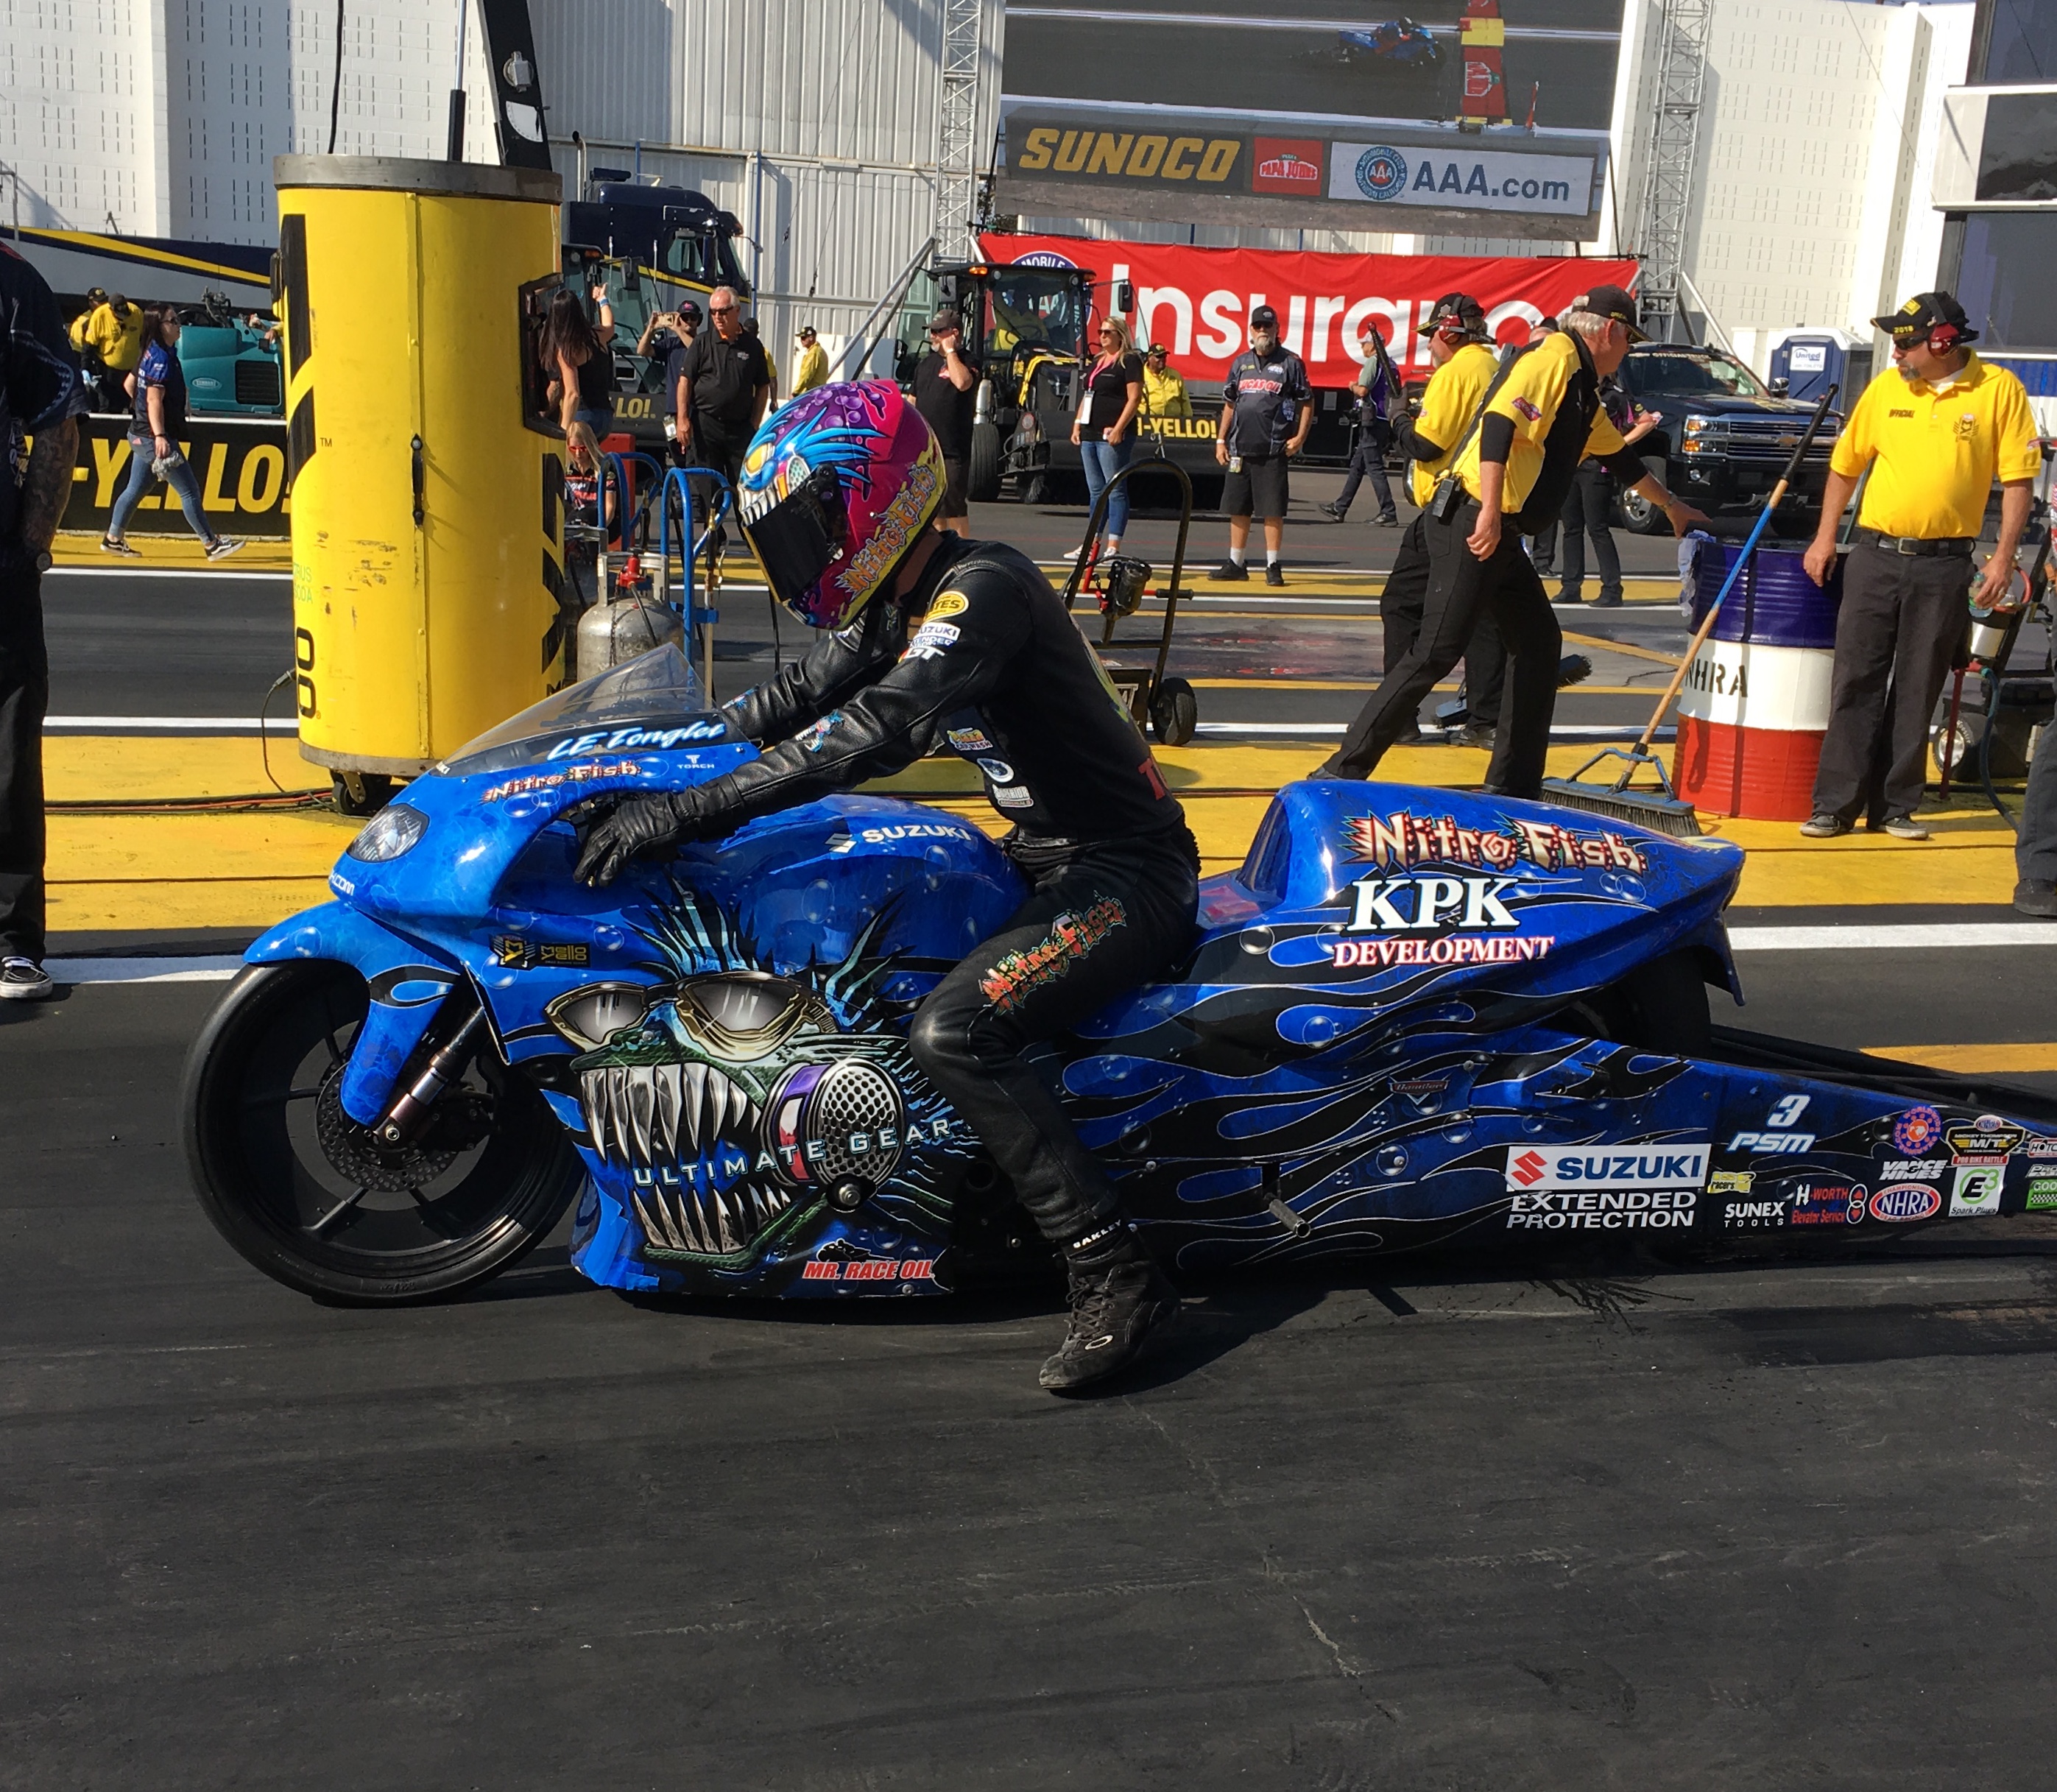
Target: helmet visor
(799, 538)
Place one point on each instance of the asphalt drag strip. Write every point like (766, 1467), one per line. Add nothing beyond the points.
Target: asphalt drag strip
(1746, 1513)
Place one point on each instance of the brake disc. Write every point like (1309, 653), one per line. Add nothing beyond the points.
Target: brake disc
(356, 1156)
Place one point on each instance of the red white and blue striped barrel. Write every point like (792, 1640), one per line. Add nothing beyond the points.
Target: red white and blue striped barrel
(1755, 703)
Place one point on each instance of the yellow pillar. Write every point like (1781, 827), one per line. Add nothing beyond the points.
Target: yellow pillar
(426, 479)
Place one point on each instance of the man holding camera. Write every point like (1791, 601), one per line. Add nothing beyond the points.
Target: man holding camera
(1935, 431)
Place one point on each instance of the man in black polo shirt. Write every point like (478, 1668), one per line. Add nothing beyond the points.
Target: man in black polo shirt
(728, 383)
(946, 394)
(1266, 412)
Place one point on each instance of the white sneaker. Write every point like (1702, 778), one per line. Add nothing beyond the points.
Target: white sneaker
(24, 980)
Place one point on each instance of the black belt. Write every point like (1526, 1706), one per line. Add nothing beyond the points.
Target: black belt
(1916, 546)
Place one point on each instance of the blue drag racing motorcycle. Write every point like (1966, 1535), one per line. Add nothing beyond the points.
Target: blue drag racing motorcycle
(1412, 1016)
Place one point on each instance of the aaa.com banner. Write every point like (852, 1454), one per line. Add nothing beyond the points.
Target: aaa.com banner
(1198, 302)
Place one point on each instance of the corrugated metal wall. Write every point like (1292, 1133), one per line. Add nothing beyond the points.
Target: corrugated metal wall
(823, 113)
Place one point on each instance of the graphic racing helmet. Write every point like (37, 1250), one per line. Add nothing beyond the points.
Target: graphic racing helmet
(836, 488)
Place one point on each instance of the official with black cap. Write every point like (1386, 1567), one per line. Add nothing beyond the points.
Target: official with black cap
(1507, 474)
(1936, 432)
(1460, 350)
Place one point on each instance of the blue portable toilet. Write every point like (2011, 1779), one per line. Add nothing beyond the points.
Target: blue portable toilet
(1809, 361)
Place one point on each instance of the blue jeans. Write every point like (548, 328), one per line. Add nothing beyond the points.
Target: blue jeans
(181, 480)
(1104, 459)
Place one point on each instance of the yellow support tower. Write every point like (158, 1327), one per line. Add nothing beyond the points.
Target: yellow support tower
(428, 595)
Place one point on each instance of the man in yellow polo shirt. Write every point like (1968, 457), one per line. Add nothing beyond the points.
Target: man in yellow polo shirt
(1460, 350)
(1507, 473)
(1936, 432)
(1164, 386)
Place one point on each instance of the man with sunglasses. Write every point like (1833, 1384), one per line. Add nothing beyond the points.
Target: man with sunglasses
(1935, 431)
(726, 382)
(934, 641)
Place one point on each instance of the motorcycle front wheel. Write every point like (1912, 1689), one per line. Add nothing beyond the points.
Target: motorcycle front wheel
(311, 1198)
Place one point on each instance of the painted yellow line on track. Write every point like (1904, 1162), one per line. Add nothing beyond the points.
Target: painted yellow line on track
(180, 872)
(181, 553)
(1600, 645)
(1975, 1060)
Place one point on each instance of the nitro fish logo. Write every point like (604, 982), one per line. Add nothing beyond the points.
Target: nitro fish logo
(1400, 840)
(1070, 938)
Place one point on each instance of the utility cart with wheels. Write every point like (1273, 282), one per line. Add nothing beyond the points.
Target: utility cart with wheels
(1168, 707)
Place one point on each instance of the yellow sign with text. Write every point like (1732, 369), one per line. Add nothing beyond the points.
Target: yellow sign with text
(1128, 155)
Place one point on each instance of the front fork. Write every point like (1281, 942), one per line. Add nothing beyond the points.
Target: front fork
(409, 1111)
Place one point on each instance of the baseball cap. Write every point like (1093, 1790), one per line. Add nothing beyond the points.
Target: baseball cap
(1156, 348)
(1264, 318)
(807, 330)
(689, 309)
(1456, 314)
(946, 319)
(1923, 313)
(1610, 302)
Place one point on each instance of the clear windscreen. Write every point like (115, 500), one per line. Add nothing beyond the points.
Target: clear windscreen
(653, 702)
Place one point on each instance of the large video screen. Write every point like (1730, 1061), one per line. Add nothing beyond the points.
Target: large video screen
(1488, 117)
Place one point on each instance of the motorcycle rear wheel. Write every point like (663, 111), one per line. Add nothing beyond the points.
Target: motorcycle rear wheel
(305, 1192)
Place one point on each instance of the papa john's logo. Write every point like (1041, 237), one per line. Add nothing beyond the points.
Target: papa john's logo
(1287, 166)
(1381, 173)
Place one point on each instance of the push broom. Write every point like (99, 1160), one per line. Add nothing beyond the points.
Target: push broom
(1662, 810)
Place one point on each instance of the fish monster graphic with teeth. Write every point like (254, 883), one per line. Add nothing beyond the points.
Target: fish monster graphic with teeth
(736, 1102)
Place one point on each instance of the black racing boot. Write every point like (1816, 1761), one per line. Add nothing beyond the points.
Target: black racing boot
(1120, 1298)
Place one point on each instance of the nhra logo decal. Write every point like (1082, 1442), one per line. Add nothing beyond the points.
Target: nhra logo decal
(1904, 1201)
(1548, 1167)
(1402, 840)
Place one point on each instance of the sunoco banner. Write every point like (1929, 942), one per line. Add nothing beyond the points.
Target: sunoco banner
(1198, 302)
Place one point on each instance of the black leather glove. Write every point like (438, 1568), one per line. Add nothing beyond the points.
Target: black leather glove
(636, 825)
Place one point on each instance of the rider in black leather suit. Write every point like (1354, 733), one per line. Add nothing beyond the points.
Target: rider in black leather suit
(970, 647)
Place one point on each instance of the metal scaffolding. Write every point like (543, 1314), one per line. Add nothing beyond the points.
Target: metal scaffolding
(956, 147)
(1667, 181)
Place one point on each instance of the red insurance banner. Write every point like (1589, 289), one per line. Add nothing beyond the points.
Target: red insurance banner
(1197, 302)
